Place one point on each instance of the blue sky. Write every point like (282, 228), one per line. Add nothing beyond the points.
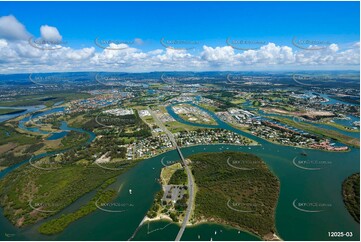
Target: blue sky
(208, 23)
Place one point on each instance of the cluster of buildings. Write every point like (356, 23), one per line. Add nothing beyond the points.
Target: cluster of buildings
(325, 145)
(192, 114)
(149, 146)
(238, 116)
(98, 101)
(163, 116)
(119, 111)
(144, 113)
(210, 136)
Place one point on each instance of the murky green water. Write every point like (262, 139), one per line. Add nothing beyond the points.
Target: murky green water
(321, 187)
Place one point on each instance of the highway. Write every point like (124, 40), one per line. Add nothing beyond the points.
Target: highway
(187, 169)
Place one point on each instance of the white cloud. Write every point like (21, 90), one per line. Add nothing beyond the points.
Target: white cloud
(218, 54)
(50, 33)
(17, 55)
(12, 29)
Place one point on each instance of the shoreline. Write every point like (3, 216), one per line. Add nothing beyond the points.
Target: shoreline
(162, 217)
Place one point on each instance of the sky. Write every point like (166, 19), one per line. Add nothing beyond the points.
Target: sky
(178, 36)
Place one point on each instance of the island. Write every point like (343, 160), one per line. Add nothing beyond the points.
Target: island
(232, 188)
(351, 195)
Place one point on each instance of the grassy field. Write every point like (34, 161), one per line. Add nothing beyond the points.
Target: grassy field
(245, 199)
(351, 195)
(175, 127)
(208, 107)
(347, 140)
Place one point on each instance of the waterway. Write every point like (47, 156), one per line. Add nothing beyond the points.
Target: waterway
(321, 186)
(28, 109)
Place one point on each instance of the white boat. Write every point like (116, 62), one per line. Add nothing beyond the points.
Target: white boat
(130, 191)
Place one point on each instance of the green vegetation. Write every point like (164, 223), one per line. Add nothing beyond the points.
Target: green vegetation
(59, 224)
(61, 187)
(256, 103)
(175, 126)
(9, 134)
(179, 177)
(125, 126)
(175, 176)
(347, 140)
(154, 209)
(224, 99)
(224, 192)
(342, 127)
(73, 139)
(351, 195)
(16, 147)
(168, 171)
(208, 107)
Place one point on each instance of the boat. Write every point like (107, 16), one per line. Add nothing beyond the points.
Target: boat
(303, 153)
(130, 191)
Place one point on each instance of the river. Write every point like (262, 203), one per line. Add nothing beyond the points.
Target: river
(308, 186)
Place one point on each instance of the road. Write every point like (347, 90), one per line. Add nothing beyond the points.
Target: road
(187, 169)
(162, 127)
(191, 196)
